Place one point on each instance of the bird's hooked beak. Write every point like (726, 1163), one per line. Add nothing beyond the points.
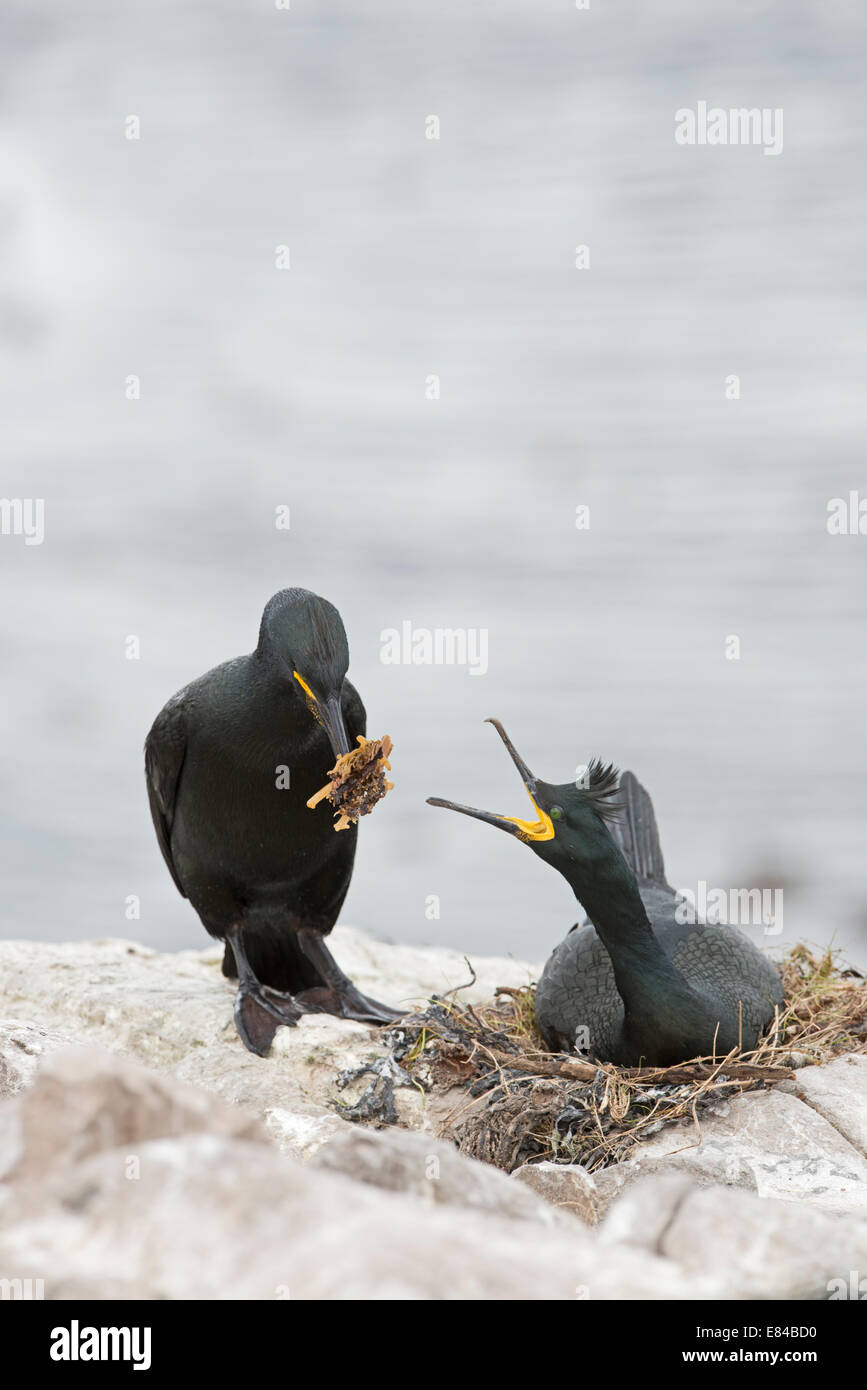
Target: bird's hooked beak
(541, 829)
(330, 716)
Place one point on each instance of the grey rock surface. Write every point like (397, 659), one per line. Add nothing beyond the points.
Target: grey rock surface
(567, 1186)
(219, 1215)
(173, 1012)
(432, 1171)
(767, 1142)
(145, 1154)
(22, 1047)
(837, 1092)
(764, 1247)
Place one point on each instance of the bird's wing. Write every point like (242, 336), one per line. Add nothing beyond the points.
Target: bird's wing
(165, 749)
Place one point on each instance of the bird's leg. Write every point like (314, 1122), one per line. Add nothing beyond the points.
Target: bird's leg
(259, 1010)
(338, 995)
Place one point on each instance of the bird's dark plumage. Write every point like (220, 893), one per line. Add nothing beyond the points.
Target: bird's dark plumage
(230, 762)
(734, 985)
(633, 984)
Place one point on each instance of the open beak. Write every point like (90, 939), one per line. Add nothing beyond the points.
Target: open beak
(541, 829)
(330, 716)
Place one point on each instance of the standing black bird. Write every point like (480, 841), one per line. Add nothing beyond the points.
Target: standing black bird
(632, 984)
(264, 873)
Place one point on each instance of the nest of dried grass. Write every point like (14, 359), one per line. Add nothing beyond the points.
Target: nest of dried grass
(523, 1104)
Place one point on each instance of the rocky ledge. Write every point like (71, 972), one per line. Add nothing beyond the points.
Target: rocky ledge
(145, 1154)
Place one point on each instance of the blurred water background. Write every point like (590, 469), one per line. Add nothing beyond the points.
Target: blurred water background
(559, 387)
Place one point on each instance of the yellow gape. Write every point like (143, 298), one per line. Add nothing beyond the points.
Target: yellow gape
(305, 687)
(312, 702)
(542, 829)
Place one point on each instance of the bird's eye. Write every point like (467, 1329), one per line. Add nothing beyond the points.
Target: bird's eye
(556, 813)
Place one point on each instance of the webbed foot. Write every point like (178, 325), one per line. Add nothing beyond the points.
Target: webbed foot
(259, 1012)
(347, 1002)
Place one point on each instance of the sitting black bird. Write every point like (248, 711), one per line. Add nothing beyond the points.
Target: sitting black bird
(264, 873)
(632, 985)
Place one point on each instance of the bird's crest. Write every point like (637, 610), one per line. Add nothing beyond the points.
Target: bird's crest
(600, 785)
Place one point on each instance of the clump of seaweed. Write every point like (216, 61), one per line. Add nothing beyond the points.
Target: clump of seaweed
(522, 1104)
(358, 781)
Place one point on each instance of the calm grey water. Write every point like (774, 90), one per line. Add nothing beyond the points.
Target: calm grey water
(559, 387)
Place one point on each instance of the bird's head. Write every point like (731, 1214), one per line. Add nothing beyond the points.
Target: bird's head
(569, 830)
(302, 637)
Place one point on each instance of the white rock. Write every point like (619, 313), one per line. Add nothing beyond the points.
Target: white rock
(432, 1171)
(216, 1217)
(84, 1099)
(640, 1214)
(173, 1012)
(838, 1092)
(767, 1142)
(214, 1203)
(567, 1186)
(763, 1247)
(22, 1047)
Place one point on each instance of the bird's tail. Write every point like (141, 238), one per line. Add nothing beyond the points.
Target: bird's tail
(636, 833)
